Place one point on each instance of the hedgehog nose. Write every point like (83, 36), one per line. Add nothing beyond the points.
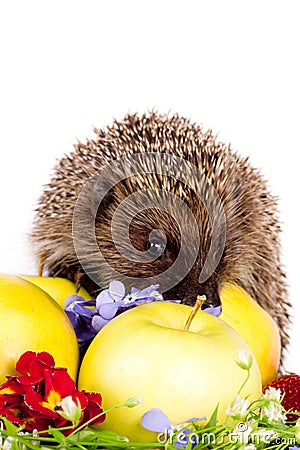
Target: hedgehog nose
(212, 298)
(211, 291)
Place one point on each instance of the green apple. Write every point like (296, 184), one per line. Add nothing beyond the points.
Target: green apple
(31, 320)
(146, 352)
(58, 288)
(255, 326)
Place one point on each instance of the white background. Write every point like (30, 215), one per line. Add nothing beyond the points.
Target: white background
(67, 66)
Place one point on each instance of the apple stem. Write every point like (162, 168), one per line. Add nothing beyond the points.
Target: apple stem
(199, 302)
(41, 265)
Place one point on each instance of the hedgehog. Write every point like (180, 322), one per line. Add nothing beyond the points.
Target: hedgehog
(156, 198)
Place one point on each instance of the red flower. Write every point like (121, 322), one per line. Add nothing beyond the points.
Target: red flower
(33, 364)
(44, 396)
(10, 407)
(93, 408)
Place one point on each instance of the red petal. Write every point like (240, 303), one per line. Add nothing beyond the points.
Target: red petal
(32, 363)
(59, 381)
(94, 408)
(25, 380)
(81, 396)
(12, 386)
(14, 418)
(23, 362)
(10, 402)
(37, 366)
(36, 405)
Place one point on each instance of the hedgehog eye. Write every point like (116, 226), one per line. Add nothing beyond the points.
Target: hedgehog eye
(157, 243)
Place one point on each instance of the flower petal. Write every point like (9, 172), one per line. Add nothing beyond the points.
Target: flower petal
(58, 381)
(156, 420)
(32, 363)
(94, 408)
(98, 323)
(146, 292)
(116, 290)
(72, 299)
(34, 401)
(103, 298)
(108, 310)
(196, 419)
(214, 310)
(79, 307)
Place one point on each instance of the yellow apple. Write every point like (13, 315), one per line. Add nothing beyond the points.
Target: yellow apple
(58, 288)
(255, 326)
(31, 320)
(146, 352)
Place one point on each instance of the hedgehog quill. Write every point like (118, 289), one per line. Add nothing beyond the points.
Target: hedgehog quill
(157, 199)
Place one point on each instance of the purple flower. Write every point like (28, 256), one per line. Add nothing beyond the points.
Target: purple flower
(80, 317)
(112, 299)
(214, 310)
(156, 420)
(88, 321)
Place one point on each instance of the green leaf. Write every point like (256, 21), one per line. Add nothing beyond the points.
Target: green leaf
(58, 435)
(213, 419)
(10, 428)
(85, 435)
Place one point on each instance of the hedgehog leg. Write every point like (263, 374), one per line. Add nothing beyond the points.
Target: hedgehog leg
(41, 265)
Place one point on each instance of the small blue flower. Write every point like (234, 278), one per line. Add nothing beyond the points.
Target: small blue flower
(88, 321)
(156, 420)
(80, 317)
(214, 310)
(112, 299)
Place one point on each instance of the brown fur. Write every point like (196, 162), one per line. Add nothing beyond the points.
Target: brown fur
(252, 252)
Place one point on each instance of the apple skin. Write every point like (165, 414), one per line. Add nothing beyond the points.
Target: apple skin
(255, 326)
(58, 288)
(145, 352)
(31, 320)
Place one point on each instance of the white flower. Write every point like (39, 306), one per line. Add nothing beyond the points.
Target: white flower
(272, 409)
(273, 412)
(70, 410)
(12, 443)
(266, 435)
(242, 432)
(245, 359)
(250, 447)
(238, 407)
(8, 443)
(272, 394)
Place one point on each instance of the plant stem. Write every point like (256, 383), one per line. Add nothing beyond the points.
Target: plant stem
(246, 379)
(199, 302)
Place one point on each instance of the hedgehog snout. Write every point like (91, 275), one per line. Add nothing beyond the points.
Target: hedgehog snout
(189, 288)
(212, 297)
(211, 293)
